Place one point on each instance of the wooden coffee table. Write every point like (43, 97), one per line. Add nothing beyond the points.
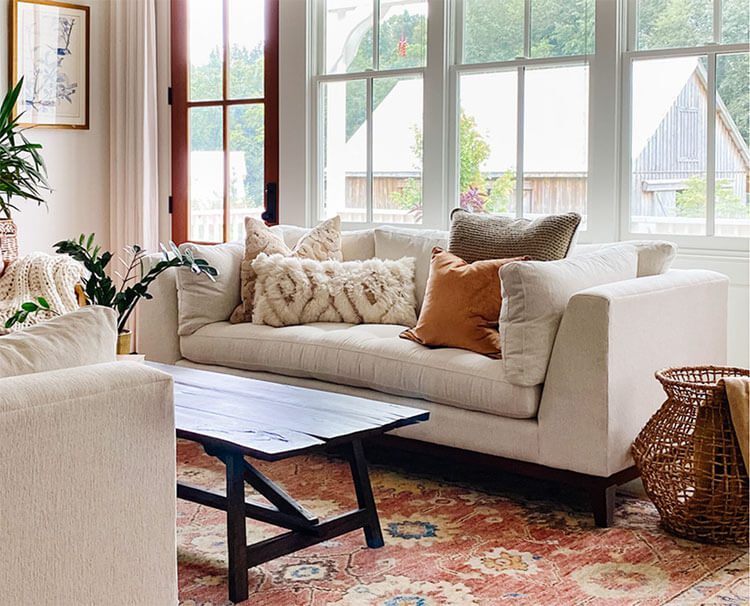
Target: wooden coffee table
(234, 418)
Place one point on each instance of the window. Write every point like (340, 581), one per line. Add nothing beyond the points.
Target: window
(522, 80)
(369, 91)
(224, 116)
(688, 106)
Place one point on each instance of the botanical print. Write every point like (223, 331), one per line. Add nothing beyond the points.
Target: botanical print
(50, 54)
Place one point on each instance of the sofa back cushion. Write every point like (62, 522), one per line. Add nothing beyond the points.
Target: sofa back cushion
(535, 295)
(200, 300)
(85, 336)
(654, 256)
(398, 242)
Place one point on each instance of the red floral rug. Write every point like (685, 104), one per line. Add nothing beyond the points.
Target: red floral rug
(454, 538)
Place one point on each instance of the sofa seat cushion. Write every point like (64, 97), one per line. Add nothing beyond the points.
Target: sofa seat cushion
(365, 355)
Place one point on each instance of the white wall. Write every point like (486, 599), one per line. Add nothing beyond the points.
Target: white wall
(77, 160)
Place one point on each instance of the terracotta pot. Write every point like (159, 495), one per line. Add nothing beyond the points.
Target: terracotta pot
(8, 243)
(124, 343)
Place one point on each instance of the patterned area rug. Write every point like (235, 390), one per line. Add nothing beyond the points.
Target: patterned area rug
(454, 538)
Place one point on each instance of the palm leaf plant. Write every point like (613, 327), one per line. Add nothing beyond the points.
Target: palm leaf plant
(23, 173)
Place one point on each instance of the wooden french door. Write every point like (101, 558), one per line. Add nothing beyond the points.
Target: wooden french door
(224, 97)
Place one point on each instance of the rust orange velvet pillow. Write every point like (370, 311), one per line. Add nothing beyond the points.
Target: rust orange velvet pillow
(461, 305)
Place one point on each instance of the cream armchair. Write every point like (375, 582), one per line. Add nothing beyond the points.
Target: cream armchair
(87, 497)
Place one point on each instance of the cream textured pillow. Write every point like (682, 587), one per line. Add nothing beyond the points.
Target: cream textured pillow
(202, 301)
(85, 336)
(321, 243)
(535, 295)
(654, 256)
(291, 290)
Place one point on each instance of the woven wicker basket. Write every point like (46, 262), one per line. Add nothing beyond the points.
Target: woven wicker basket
(690, 461)
(8, 243)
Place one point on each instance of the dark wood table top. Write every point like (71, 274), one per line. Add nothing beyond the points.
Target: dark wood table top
(271, 421)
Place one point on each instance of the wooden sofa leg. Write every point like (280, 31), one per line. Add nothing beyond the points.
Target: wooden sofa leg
(603, 504)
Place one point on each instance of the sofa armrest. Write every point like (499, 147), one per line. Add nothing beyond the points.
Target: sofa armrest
(87, 487)
(157, 318)
(600, 388)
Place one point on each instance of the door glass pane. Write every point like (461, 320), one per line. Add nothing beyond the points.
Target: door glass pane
(562, 28)
(348, 43)
(674, 23)
(555, 159)
(403, 34)
(344, 130)
(487, 142)
(397, 150)
(246, 45)
(668, 146)
(206, 175)
(735, 21)
(246, 176)
(493, 31)
(205, 43)
(732, 153)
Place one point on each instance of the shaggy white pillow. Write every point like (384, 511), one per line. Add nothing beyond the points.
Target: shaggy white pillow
(290, 290)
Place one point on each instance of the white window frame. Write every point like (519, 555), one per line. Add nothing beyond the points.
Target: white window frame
(433, 81)
(711, 50)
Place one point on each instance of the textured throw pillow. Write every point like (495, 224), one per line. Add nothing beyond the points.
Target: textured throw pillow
(475, 237)
(535, 295)
(202, 301)
(321, 243)
(461, 305)
(291, 290)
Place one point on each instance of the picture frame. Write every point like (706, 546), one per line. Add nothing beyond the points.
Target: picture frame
(49, 48)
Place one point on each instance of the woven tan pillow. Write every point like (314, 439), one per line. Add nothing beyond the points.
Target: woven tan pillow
(461, 305)
(475, 237)
(321, 243)
(291, 290)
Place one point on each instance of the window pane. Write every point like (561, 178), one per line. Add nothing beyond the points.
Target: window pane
(493, 31)
(668, 146)
(674, 23)
(246, 177)
(206, 175)
(562, 27)
(344, 130)
(348, 25)
(732, 153)
(735, 21)
(403, 34)
(555, 159)
(397, 150)
(487, 134)
(246, 45)
(205, 42)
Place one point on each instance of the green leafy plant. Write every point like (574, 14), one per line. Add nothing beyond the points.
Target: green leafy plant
(30, 307)
(100, 289)
(23, 173)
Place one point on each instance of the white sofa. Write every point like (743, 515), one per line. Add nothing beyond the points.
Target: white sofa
(87, 472)
(577, 426)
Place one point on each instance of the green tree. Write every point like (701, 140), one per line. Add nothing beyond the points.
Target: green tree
(691, 201)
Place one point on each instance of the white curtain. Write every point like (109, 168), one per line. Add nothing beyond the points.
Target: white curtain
(134, 167)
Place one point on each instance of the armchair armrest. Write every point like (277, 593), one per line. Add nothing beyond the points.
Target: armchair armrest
(157, 317)
(600, 388)
(87, 486)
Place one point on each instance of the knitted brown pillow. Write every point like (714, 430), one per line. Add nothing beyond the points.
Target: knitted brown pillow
(475, 237)
(461, 305)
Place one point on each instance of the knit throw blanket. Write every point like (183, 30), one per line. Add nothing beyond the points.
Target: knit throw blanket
(39, 275)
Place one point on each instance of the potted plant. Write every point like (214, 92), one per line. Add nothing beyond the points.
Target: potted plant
(100, 289)
(23, 173)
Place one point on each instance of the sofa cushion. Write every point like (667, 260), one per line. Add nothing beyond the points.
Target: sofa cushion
(82, 337)
(356, 245)
(535, 295)
(365, 355)
(202, 301)
(654, 256)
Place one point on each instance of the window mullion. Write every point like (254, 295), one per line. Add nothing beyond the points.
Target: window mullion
(520, 139)
(717, 21)
(527, 29)
(225, 117)
(711, 146)
(631, 25)
(375, 35)
(370, 179)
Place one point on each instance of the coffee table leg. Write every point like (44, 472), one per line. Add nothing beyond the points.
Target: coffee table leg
(236, 529)
(358, 464)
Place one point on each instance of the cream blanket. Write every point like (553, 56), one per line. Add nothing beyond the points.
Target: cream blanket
(738, 395)
(39, 275)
